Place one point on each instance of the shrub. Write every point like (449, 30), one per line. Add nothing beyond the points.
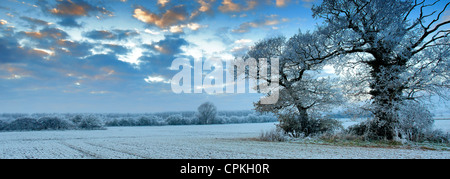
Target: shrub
(127, 122)
(296, 128)
(76, 119)
(370, 129)
(216, 120)
(146, 121)
(274, 135)
(176, 119)
(113, 123)
(413, 123)
(90, 123)
(23, 124)
(54, 123)
(3, 124)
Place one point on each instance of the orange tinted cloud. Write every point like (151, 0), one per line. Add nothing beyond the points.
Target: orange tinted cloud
(34, 34)
(169, 18)
(230, 6)
(163, 2)
(3, 22)
(53, 33)
(70, 9)
(281, 3)
(77, 8)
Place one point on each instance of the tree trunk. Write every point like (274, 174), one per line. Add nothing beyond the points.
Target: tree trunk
(303, 120)
(386, 91)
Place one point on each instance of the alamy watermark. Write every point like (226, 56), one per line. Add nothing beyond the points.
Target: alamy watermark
(233, 76)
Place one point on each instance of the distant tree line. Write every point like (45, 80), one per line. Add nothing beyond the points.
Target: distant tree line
(35, 122)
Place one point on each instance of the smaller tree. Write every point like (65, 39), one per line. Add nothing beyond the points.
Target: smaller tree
(305, 93)
(207, 113)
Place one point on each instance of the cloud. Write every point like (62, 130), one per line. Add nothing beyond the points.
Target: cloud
(446, 15)
(205, 7)
(14, 72)
(230, 6)
(241, 46)
(159, 55)
(35, 22)
(156, 79)
(175, 17)
(75, 8)
(281, 3)
(191, 26)
(69, 22)
(170, 17)
(48, 60)
(308, 3)
(48, 33)
(54, 41)
(171, 45)
(3, 22)
(148, 31)
(267, 21)
(70, 10)
(73, 48)
(111, 35)
(100, 35)
(243, 41)
(163, 2)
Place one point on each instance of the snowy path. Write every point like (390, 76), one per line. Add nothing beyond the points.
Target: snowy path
(174, 142)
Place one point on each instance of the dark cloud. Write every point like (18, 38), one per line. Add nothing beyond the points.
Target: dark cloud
(77, 8)
(33, 22)
(111, 35)
(100, 35)
(160, 55)
(9, 50)
(69, 22)
(68, 11)
(47, 33)
(70, 67)
(73, 48)
(170, 45)
(267, 21)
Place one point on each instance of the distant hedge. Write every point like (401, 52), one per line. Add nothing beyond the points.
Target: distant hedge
(36, 122)
(50, 123)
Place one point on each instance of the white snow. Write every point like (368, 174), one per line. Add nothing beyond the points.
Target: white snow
(178, 142)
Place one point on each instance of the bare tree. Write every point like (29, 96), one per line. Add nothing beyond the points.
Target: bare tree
(400, 49)
(207, 113)
(303, 91)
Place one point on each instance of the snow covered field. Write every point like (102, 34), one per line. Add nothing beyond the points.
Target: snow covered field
(192, 142)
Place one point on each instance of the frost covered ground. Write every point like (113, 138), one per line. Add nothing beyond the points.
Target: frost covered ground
(192, 142)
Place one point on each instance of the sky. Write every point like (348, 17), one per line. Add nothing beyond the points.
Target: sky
(114, 55)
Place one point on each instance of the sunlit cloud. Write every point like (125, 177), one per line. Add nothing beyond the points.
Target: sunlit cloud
(156, 79)
(3, 22)
(230, 6)
(267, 21)
(180, 28)
(168, 18)
(70, 10)
(281, 3)
(163, 2)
